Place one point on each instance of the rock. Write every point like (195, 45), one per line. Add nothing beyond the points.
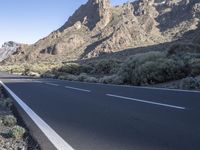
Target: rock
(34, 74)
(8, 49)
(92, 13)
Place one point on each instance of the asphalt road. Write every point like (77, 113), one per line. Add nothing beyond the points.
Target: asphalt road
(106, 117)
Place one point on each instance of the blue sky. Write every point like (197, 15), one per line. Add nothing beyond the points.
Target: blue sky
(27, 21)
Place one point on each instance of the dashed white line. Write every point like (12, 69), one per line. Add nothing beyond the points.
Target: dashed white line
(52, 84)
(38, 81)
(55, 139)
(148, 102)
(139, 87)
(73, 88)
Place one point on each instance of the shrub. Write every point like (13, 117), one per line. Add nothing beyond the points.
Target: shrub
(27, 69)
(75, 69)
(194, 65)
(126, 70)
(189, 83)
(6, 103)
(48, 75)
(1, 121)
(9, 120)
(179, 48)
(86, 78)
(152, 68)
(106, 66)
(113, 79)
(91, 79)
(159, 71)
(69, 77)
(17, 132)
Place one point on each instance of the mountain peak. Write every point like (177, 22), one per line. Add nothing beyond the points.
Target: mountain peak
(90, 14)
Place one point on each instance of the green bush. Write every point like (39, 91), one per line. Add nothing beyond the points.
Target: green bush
(109, 66)
(9, 120)
(157, 72)
(6, 103)
(180, 48)
(194, 65)
(83, 77)
(91, 80)
(152, 68)
(126, 70)
(75, 69)
(189, 83)
(17, 132)
(69, 77)
(113, 79)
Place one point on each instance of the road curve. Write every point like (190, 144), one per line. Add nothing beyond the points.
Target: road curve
(107, 117)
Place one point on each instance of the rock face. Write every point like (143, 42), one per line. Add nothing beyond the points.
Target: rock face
(8, 49)
(97, 28)
(96, 13)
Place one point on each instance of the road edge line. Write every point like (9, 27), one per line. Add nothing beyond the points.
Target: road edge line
(53, 137)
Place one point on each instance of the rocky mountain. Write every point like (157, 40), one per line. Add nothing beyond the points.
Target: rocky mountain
(9, 48)
(97, 28)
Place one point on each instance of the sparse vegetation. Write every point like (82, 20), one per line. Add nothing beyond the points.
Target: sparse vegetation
(12, 134)
(9, 120)
(178, 62)
(35, 69)
(17, 132)
(190, 83)
(74, 68)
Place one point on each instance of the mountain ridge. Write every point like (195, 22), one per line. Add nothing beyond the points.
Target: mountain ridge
(97, 28)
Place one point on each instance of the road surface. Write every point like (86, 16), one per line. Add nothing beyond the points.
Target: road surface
(107, 117)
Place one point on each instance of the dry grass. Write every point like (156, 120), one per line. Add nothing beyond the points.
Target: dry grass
(25, 69)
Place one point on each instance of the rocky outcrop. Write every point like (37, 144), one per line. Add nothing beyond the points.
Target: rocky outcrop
(8, 49)
(97, 28)
(95, 13)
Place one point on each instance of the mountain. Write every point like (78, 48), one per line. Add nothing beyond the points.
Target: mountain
(97, 28)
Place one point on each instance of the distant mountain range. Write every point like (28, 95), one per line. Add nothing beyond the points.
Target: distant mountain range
(97, 29)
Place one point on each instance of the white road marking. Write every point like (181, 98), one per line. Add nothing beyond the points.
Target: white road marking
(167, 89)
(55, 139)
(73, 88)
(52, 84)
(38, 81)
(148, 102)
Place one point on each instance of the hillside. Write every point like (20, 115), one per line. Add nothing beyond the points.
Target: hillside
(97, 28)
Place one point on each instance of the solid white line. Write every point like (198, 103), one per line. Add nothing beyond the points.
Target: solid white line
(56, 140)
(167, 89)
(148, 102)
(52, 84)
(73, 88)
